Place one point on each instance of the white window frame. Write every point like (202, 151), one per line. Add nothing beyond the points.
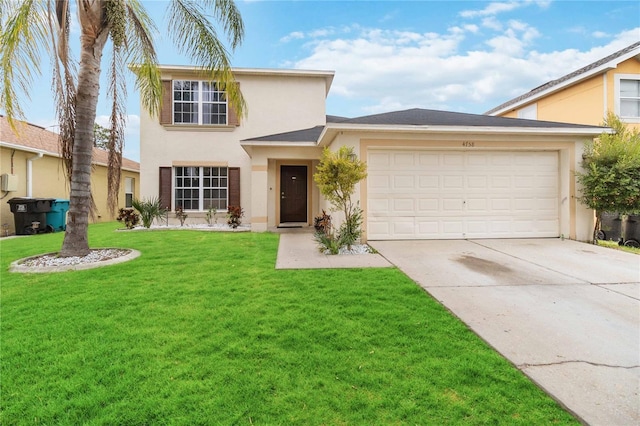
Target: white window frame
(200, 188)
(129, 189)
(530, 112)
(200, 102)
(618, 98)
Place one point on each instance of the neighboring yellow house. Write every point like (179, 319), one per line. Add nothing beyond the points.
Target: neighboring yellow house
(31, 166)
(586, 95)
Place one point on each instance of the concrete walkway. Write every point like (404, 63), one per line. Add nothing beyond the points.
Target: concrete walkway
(565, 313)
(298, 250)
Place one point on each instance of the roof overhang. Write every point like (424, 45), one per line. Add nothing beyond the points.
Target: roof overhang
(23, 148)
(327, 75)
(249, 146)
(331, 130)
(27, 149)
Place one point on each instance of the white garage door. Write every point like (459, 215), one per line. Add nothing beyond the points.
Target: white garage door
(462, 194)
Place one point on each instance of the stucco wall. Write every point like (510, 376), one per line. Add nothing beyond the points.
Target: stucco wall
(275, 104)
(48, 181)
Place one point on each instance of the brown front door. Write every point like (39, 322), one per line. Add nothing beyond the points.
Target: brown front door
(293, 194)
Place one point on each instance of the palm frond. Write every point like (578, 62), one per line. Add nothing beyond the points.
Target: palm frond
(24, 32)
(117, 92)
(64, 81)
(142, 53)
(196, 36)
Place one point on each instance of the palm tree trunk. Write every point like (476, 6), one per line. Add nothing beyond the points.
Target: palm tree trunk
(76, 242)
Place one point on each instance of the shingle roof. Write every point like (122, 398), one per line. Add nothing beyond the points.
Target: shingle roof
(38, 138)
(304, 135)
(428, 117)
(567, 77)
(419, 117)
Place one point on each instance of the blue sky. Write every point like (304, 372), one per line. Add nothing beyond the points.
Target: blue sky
(392, 55)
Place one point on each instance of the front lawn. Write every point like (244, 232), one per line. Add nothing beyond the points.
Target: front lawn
(201, 329)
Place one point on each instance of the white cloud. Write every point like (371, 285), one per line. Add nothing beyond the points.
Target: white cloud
(600, 34)
(296, 35)
(492, 9)
(393, 70)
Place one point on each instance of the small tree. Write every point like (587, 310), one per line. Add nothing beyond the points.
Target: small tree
(611, 178)
(101, 136)
(337, 176)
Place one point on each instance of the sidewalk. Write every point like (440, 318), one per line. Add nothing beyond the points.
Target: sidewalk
(298, 250)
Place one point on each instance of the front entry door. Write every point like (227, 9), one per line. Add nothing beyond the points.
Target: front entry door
(293, 194)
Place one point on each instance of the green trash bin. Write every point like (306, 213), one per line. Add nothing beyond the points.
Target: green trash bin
(57, 217)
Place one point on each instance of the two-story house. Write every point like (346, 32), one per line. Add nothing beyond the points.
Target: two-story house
(585, 95)
(431, 174)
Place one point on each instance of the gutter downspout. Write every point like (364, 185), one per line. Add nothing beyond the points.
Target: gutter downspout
(30, 173)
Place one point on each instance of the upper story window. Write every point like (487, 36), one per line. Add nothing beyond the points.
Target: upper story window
(198, 102)
(529, 112)
(628, 96)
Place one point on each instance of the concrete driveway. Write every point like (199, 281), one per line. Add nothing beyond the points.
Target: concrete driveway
(566, 313)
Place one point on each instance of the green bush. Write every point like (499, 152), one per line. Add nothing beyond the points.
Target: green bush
(149, 210)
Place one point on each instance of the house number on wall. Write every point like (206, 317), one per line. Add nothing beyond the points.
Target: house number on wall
(468, 144)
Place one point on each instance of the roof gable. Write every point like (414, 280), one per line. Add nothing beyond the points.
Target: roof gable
(581, 74)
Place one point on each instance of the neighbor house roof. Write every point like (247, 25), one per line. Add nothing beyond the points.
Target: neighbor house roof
(570, 79)
(422, 121)
(32, 138)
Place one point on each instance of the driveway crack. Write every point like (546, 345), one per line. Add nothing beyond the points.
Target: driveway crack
(577, 361)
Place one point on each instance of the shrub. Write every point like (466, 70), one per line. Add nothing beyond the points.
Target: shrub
(327, 242)
(149, 210)
(181, 215)
(129, 217)
(211, 214)
(610, 181)
(351, 229)
(337, 175)
(322, 223)
(235, 214)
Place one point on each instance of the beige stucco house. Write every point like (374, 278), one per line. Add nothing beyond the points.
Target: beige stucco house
(32, 167)
(585, 95)
(432, 174)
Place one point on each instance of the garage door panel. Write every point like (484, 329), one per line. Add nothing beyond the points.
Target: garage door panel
(428, 182)
(429, 194)
(404, 206)
(379, 182)
(450, 205)
(404, 182)
(427, 206)
(450, 182)
(428, 159)
(403, 227)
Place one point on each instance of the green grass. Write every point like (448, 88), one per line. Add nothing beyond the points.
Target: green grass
(614, 245)
(201, 329)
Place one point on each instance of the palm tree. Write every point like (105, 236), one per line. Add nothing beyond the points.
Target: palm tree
(30, 26)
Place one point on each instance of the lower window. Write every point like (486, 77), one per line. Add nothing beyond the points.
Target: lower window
(201, 188)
